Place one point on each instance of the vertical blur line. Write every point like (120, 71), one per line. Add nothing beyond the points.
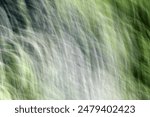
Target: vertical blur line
(74, 49)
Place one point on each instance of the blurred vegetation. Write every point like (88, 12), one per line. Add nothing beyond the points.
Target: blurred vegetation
(113, 35)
